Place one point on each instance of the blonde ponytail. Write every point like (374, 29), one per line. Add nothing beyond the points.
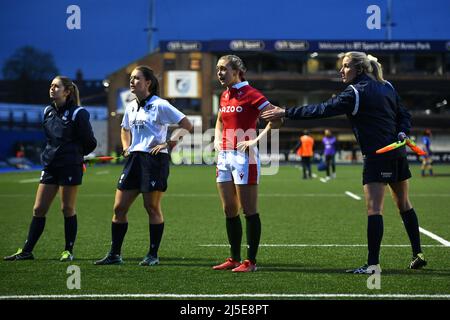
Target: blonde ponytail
(74, 96)
(377, 71)
(367, 64)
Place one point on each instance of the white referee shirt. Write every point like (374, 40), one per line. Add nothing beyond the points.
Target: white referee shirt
(149, 124)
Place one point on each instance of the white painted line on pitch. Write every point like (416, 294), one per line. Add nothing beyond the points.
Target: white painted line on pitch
(269, 195)
(239, 295)
(287, 245)
(30, 180)
(102, 172)
(435, 237)
(352, 195)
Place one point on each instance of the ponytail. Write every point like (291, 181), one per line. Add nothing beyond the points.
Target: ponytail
(74, 97)
(377, 70)
(150, 75)
(366, 63)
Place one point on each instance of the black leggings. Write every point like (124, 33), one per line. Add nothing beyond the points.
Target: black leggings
(306, 164)
(330, 163)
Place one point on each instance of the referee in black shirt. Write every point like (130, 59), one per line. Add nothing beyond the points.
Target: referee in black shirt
(69, 137)
(373, 107)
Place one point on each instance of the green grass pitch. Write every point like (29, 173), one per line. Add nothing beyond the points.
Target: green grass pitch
(298, 218)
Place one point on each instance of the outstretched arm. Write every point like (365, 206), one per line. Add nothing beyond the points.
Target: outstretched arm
(344, 103)
(274, 124)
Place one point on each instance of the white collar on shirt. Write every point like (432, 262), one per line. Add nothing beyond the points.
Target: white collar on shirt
(240, 85)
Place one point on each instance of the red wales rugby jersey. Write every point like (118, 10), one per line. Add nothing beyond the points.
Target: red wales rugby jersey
(240, 106)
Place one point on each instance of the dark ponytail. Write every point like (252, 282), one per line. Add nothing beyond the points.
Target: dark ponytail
(149, 75)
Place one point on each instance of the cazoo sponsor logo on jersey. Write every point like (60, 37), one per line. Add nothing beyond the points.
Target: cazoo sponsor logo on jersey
(228, 109)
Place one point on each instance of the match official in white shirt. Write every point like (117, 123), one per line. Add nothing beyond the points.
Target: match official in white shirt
(145, 145)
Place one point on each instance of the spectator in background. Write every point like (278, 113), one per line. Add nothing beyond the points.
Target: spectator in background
(426, 159)
(305, 149)
(329, 143)
(20, 151)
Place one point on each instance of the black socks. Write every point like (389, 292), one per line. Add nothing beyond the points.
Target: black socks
(234, 232)
(70, 231)
(36, 228)
(253, 236)
(118, 231)
(374, 236)
(412, 228)
(156, 232)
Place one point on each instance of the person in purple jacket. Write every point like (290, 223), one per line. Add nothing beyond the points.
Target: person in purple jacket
(329, 144)
(426, 159)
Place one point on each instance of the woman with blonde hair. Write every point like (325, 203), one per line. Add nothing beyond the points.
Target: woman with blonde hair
(69, 137)
(238, 166)
(378, 118)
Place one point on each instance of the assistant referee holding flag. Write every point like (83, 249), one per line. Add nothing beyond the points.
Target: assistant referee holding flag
(378, 118)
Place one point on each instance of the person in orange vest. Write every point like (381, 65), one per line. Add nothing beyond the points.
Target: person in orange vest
(305, 148)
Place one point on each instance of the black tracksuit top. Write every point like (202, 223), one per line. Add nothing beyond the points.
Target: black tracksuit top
(374, 110)
(69, 135)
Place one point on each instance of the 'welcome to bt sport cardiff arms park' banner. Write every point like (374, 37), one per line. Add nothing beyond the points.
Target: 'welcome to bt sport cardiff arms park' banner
(303, 45)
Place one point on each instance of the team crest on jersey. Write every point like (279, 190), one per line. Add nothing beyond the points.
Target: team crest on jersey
(241, 175)
(66, 113)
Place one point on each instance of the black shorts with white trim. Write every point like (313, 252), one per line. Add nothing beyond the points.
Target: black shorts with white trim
(69, 175)
(386, 170)
(145, 172)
